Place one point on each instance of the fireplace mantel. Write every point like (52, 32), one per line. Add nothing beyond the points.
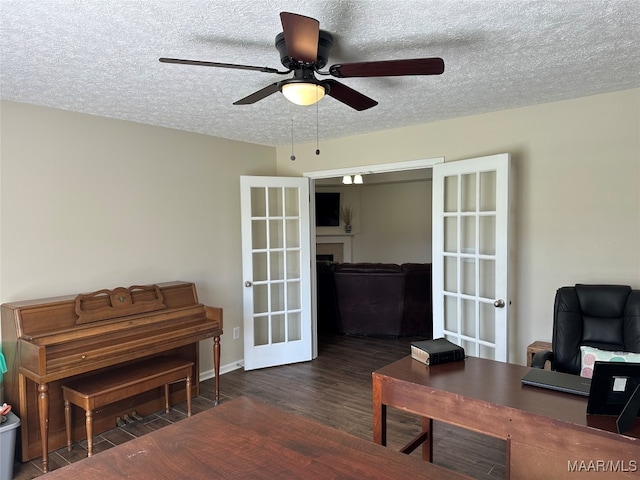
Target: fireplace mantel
(324, 243)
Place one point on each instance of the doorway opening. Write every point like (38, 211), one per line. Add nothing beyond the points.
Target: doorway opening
(389, 173)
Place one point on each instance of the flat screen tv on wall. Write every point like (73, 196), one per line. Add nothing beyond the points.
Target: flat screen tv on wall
(327, 209)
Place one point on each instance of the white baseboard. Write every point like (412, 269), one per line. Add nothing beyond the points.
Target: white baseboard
(230, 367)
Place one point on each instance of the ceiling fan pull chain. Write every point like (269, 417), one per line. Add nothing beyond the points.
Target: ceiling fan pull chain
(317, 130)
(293, 157)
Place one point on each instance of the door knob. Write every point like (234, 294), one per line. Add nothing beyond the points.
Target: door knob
(247, 283)
(499, 303)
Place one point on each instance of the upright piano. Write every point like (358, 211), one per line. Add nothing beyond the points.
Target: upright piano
(46, 342)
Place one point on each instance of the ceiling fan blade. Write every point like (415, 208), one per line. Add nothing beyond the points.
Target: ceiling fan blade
(389, 68)
(222, 65)
(259, 95)
(301, 36)
(349, 96)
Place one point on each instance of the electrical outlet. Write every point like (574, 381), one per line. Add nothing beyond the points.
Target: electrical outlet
(236, 333)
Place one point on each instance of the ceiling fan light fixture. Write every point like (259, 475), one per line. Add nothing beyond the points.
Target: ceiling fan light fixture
(303, 93)
(346, 180)
(357, 179)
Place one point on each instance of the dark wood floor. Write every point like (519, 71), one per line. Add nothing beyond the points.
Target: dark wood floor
(334, 389)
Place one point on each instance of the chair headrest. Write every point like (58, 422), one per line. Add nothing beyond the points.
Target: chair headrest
(603, 300)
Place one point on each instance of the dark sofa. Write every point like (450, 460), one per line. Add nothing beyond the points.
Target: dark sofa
(377, 299)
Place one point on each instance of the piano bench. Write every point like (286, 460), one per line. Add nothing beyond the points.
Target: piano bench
(97, 391)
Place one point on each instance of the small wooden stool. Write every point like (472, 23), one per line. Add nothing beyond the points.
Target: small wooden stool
(109, 387)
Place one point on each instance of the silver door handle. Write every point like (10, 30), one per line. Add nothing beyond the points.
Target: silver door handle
(247, 283)
(499, 303)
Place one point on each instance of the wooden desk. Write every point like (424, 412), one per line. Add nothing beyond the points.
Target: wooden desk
(244, 439)
(548, 434)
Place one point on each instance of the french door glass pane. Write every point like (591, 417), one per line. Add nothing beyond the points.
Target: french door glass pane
(275, 201)
(451, 313)
(276, 235)
(260, 331)
(294, 320)
(277, 296)
(260, 299)
(259, 266)
(293, 264)
(451, 274)
(488, 191)
(487, 322)
(451, 194)
(451, 234)
(487, 352)
(276, 267)
(259, 234)
(293, 296)
(468, 234)
(291, 202)
(468, 318)
(468, 276)
(258, 202)
(278, 331)
(487, 237)
(468, 190)
(293, 233)
(487, 278)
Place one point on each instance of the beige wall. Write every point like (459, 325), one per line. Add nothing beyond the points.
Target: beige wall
(576, 190)
(395, 224)
(392, 221)
(90, 203)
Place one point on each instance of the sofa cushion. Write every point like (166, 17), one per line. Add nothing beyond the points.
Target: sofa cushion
(370, 298)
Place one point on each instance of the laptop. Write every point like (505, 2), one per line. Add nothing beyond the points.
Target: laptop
(558, 381)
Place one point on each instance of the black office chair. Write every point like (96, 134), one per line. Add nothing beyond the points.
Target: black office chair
(606, 317)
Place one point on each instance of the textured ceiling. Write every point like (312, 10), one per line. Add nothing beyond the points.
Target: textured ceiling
(101, 57)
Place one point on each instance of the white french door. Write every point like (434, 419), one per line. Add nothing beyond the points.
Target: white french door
(471, 253)
(276, 271)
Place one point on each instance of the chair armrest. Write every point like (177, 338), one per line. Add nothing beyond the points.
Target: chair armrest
(541, 358)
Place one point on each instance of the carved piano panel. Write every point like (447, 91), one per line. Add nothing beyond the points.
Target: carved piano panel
(47, 341)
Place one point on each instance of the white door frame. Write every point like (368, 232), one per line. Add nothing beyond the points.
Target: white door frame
(339, 172)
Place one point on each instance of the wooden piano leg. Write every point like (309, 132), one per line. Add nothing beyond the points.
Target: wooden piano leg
(216, 367)
(167, 407)
(43, 412)
(188, 395)
(89, 425)
(67, 422)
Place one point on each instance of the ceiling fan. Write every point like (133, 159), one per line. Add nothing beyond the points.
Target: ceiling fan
(304, 50)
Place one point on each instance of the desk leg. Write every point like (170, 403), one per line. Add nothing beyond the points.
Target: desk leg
(43, 412)
(216, 367)
(427, 445)
(379, 415)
